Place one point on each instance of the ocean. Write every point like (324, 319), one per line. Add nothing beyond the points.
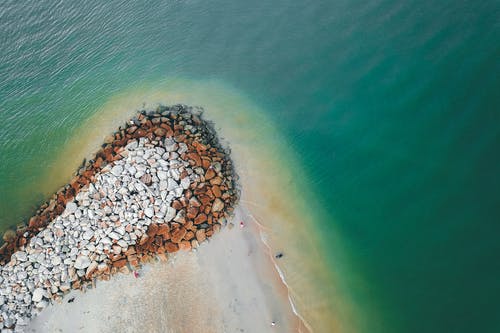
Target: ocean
(389, 111)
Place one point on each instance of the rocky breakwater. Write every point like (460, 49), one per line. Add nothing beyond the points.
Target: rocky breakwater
(160, 184)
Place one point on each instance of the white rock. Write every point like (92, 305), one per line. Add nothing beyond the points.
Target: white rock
(122, 243)
(21, 256)
(171, 213)
(149, 212)
(21, 276)
(162, 175)
(114, 235)
(175, 174)
(88, 234)
(65, 287)
(106, 240)
(170, 144)
(185, 183)
(120, 230)
(117, 170)
(82, 262)
(172, 185)
(38, 295)
(71, 207)
(56, 261)
(42, 304)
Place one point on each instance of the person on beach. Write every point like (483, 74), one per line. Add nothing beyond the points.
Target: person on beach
(242, 224)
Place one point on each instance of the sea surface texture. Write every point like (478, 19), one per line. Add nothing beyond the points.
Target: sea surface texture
(391, 109)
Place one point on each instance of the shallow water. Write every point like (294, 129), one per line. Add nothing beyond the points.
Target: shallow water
(388, 112)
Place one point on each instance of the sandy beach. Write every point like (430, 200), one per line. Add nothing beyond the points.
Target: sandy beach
(228, 284)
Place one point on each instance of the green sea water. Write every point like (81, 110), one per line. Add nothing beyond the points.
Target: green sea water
(392, 107)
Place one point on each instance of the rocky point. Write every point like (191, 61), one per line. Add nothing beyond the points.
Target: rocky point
(160, 184)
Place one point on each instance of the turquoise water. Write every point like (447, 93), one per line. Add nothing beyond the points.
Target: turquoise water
(392, 107)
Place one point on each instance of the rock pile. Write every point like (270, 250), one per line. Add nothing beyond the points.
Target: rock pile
(160, 184)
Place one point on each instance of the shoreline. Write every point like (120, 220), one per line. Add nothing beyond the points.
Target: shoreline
(302, 326)
(247, 292)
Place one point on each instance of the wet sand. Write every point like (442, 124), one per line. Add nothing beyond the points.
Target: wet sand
(229, 284)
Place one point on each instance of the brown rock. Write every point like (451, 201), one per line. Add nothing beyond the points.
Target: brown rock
(9, 236)
(184, 201)
(192, 212)
(169, 131)
(216, 191)
(185, 246)
(152, 230)
(195, 157)
(190, 226)
(200, 235)
(22, 241)
(218, 205)
(194, 202)
(210, 174)
(200, 189)
(164, 231)
(33, 223)
(200, 219)
(76, 284)
(120, 263)
(160, 132)
(145, 258)
(199, 146)
(140, 133)
(143, 239)
(133, 260)
(171, 247)
(177, 205)
(131, 129)
(205, 163)
(98, 162)
(178, 234)
(162, 257)
(205, 199)
(189, 235)
(130, 250)
(216, 181)
(124, 270)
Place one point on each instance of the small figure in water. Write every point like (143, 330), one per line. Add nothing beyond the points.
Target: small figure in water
(136, 274)
(273, 323)
(242, 224)
(278, 255)
(71, 300)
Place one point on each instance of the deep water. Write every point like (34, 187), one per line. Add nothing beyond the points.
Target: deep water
(392, 107)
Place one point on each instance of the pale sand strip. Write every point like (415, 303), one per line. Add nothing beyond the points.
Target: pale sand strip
(228, 285)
